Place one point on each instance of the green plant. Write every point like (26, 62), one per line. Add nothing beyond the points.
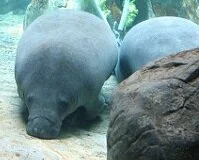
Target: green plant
(104, 8)
(131, 15)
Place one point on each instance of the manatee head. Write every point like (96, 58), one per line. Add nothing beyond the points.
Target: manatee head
(46, 115)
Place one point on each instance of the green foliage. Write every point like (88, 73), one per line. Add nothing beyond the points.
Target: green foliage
(132, 14)
(102, 4)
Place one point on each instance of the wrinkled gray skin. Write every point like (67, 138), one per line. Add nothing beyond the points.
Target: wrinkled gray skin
(153, 39)
(63, 59)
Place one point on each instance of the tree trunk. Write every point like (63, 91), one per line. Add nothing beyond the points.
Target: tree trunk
(144, 11)
(124, 15)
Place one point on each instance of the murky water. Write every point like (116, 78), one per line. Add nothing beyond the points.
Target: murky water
(10, 32)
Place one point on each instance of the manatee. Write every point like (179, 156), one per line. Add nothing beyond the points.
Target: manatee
(63, 58)
(153, 39)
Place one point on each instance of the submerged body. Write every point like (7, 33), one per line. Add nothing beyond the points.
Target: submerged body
(63, 59)
(153, 39)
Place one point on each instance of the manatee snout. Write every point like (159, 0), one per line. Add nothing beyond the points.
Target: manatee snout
(41, 127)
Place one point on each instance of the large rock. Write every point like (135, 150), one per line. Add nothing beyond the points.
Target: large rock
(188, 9)
(39, 7)
(155, 112)
(181, 8)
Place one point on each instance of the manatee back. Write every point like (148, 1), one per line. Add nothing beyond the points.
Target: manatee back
(153, 39)
(81, 42)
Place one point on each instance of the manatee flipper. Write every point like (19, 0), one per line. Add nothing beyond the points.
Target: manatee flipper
(95, 108)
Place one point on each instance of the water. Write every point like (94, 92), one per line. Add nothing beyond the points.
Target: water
(10, 32)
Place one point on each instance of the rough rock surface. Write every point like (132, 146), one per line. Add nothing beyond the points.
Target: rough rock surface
(155, 112)
(38, 7)
(86, 142)
(188, 9)
(180, 8)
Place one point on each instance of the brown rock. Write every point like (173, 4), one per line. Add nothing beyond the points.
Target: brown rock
(154, 113)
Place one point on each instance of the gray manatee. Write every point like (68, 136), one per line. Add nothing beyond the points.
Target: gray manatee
(63, 59)
(153, 39)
